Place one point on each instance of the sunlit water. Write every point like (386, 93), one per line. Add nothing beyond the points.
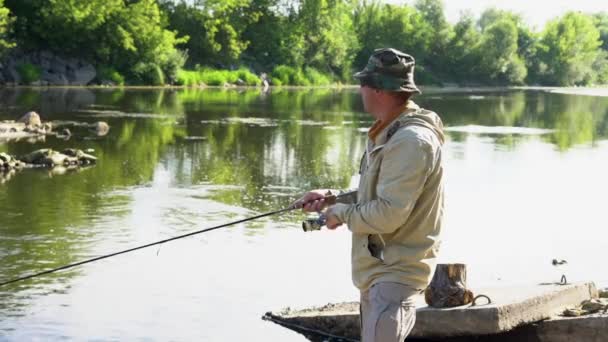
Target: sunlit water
(526, 183)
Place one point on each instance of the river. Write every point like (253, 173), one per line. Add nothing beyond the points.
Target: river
(525, 183)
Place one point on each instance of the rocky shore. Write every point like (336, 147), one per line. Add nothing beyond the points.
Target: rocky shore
(30, 126)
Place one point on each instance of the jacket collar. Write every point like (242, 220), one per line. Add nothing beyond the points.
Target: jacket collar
(383, 136)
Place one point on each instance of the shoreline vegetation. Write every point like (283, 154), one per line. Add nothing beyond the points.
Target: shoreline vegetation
(285, 42)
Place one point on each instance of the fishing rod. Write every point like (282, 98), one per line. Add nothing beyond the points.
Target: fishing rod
(329, 199)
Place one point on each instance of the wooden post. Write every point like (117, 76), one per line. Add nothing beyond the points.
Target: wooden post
(448, 287)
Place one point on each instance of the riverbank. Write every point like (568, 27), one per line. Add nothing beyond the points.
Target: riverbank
(586, 91)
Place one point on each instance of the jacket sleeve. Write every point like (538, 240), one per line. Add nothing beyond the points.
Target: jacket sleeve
(347, 197)
(405, 166)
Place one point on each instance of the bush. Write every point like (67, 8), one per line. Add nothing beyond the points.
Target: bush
(174, 64)
(283, 74)
(148, 74)
(188, 78)
(248, 77)
(300, 79)
(214, 77)
(28, 72)
(316, 77)
(110, 74)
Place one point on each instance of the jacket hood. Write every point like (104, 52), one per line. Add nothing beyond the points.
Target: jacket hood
(422, 117)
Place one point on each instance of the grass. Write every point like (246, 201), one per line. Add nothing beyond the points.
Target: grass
(213, 77)
(286, 75)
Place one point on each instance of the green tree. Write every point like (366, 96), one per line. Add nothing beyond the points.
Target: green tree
(384, 25)
(325, 37)
(441, 32)
(463, 59)
(267, 37)
(5, 27)
(601, 22)
(120, 33)
(215, 28)
(568, 49)
(498, 50)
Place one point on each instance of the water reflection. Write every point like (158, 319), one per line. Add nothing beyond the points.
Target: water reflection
(223, 154)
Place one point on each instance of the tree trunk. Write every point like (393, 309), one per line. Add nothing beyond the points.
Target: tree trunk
(448, 287)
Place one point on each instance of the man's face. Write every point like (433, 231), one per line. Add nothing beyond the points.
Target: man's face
(370, 98)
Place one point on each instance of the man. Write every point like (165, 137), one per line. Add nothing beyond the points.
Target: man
(397, 216)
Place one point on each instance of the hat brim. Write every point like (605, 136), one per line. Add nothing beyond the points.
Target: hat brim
(406, 88)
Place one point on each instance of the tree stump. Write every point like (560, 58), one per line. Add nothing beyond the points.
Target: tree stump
(448, 287)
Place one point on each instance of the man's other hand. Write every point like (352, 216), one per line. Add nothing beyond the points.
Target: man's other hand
(332, 220)
(313, 201)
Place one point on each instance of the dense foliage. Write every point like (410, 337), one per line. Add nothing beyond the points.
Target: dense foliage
(305, 42)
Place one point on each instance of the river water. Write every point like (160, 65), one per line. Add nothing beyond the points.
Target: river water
(526, 183)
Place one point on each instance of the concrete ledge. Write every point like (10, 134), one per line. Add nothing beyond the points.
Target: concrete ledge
(511, 307)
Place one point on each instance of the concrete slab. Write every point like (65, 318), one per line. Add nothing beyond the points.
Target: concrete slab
(511, 307)
(592, 328)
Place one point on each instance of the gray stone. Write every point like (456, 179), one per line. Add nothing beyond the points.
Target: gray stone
(31, 119)
(81, 74)
(13, 73)
(55, 79)
(101, 128)
(58, 65)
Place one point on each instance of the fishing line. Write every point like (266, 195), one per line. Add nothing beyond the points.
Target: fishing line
(328, 199)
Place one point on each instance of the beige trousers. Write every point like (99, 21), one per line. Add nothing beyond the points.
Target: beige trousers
(388, 312)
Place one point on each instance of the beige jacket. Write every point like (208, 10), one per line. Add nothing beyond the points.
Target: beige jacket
(398, 214)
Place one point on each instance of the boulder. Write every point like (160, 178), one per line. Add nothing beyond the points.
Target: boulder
(55, 79)
(55, 70)
(31, 119)
(13, 74)
(80, 73)
(101, 128)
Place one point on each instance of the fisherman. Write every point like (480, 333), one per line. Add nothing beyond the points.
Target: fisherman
(397, 214)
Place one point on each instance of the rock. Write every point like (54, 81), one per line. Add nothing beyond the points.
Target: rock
(593, 306)
(56, 79)
(573, 312)
(81, 157)
(604, 293)
(13, 73)
(31, 119)
(101, 128)
(80, 73)
(55, 70)
(65, 132)
(556, 262)
(50, 158)
(48, 127)
(35, 157)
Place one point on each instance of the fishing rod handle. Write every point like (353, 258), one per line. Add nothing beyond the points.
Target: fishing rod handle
(329, 200)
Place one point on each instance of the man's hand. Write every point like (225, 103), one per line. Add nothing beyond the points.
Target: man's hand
(313, 201)
(332, 220)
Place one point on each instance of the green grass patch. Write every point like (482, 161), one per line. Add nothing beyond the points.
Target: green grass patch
(213, 77)
(286, 75)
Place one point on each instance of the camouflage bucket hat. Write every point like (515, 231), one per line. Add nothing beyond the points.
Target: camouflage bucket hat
(391, 70)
